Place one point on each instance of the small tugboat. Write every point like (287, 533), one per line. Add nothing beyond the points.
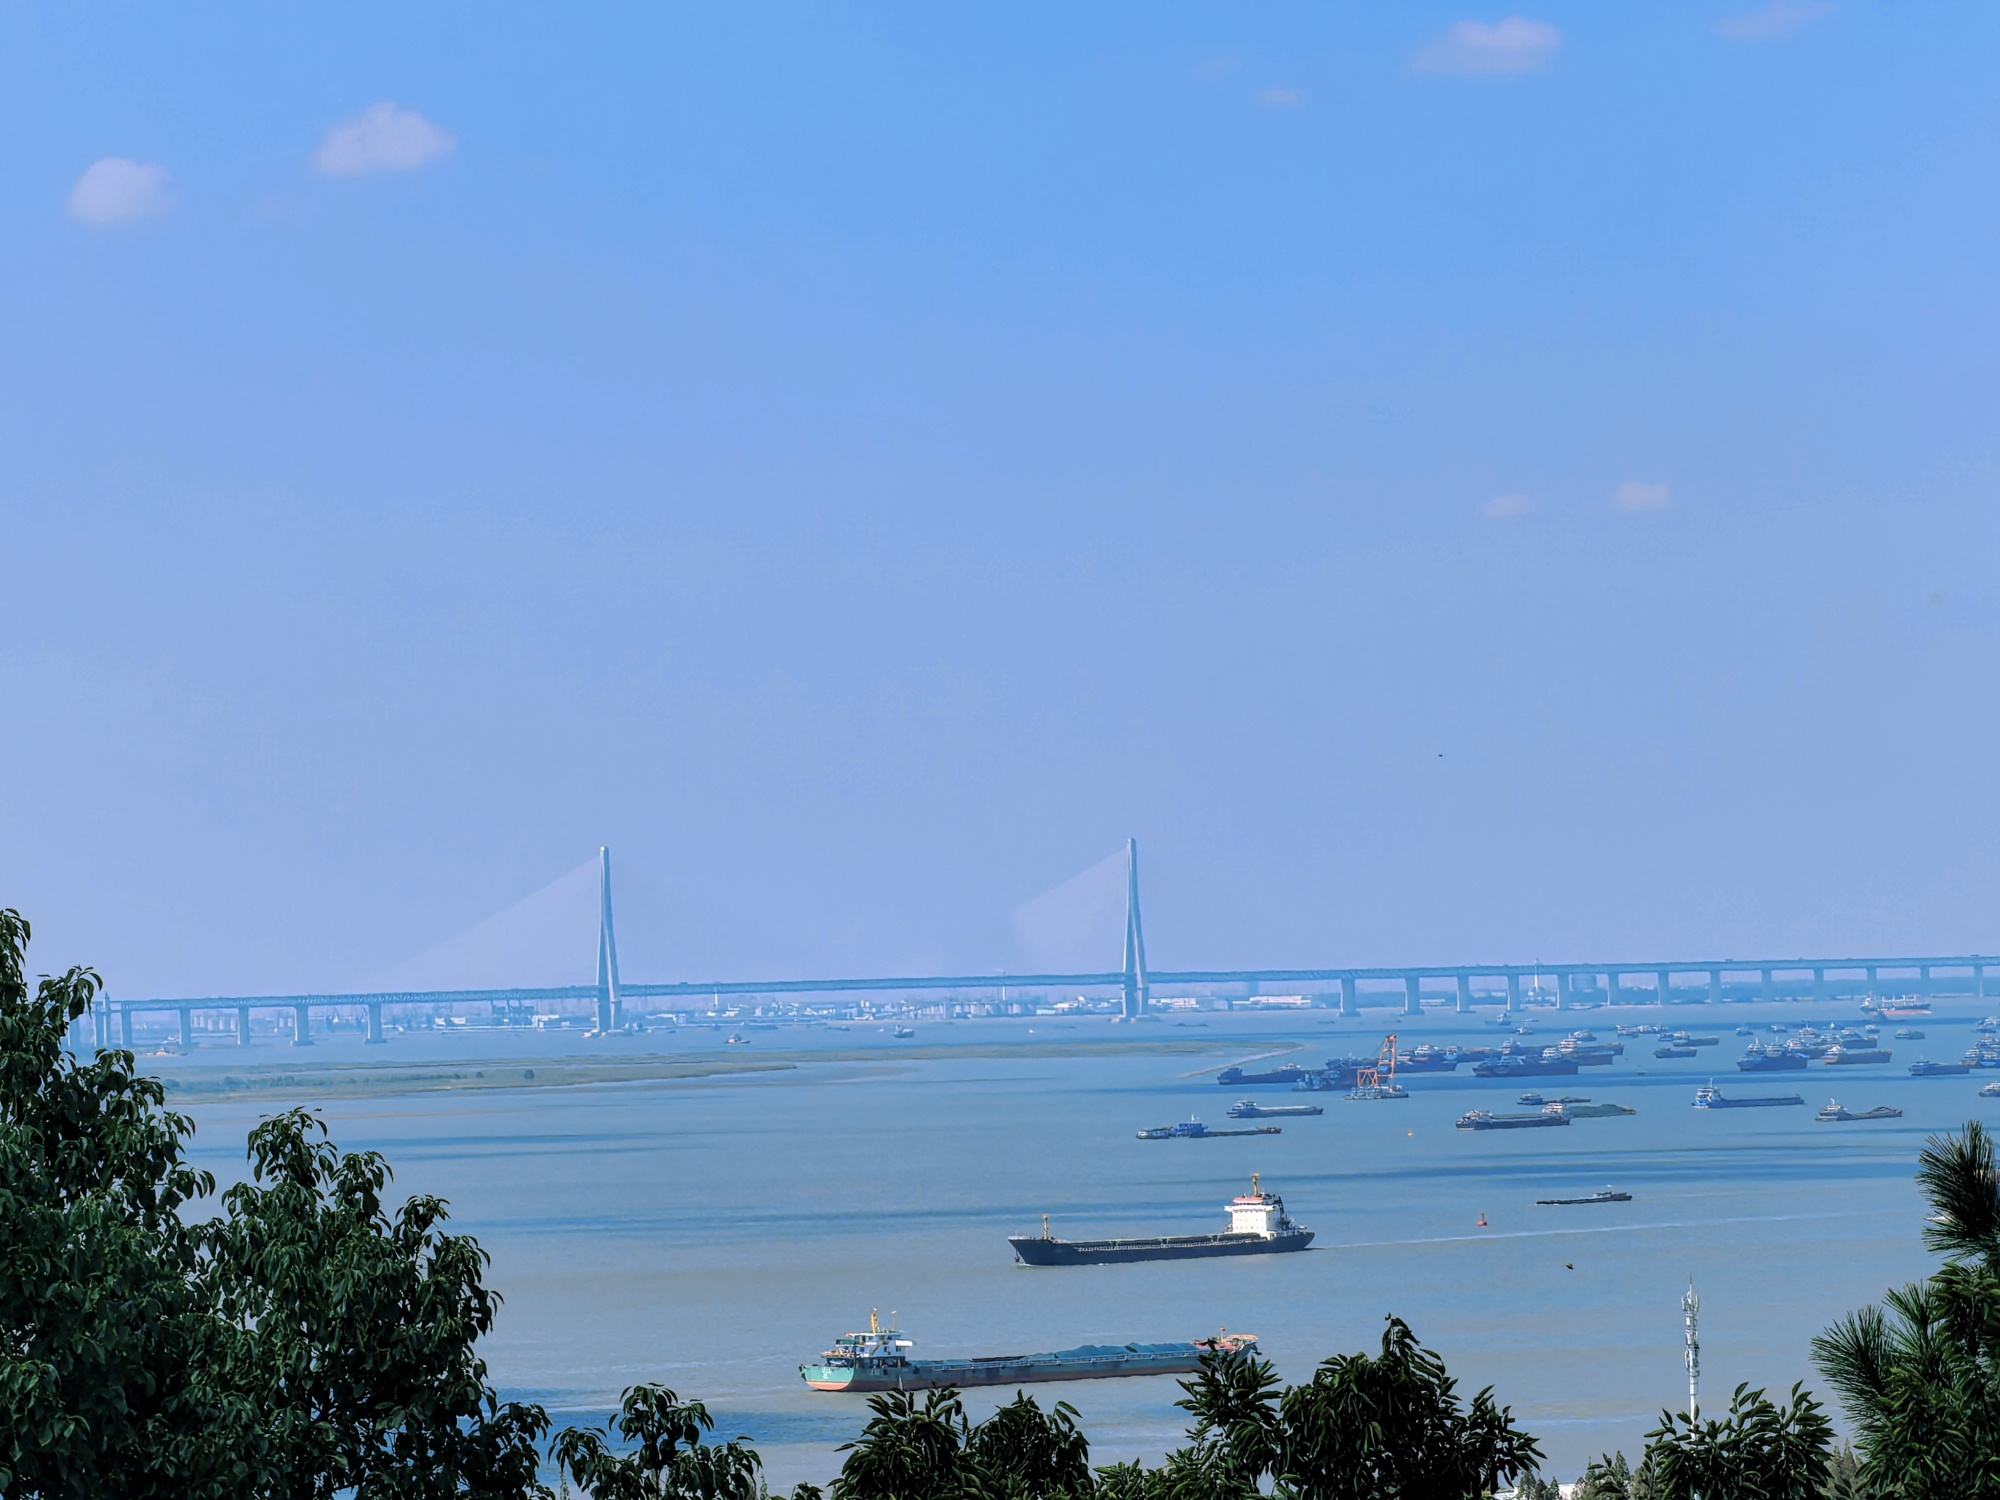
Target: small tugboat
(902, 1033)
(1989, 1091)
(1834, 1113)
(734, 1039)
(1258, 1225)
(1194, 1130)
(1250, 1109)
(875, 1361)
(1604, 1195)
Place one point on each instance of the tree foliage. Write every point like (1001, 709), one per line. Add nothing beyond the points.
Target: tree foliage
(105, 1332)
(1761, 1450)
(308, 1343)
(352, 1328)
(925, 1449)
(669, 1458)
(1919, 1376)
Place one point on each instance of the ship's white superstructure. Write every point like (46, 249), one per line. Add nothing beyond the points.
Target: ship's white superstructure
(1259, 1213)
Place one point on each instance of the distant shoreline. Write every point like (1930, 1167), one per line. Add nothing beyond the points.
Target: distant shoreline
(389, 1079)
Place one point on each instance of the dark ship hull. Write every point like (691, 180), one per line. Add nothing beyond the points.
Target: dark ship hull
(1037, 1251)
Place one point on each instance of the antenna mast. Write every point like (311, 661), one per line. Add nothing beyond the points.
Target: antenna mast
(1691, 1305)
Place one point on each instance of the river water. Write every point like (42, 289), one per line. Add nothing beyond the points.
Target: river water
(714, 1233)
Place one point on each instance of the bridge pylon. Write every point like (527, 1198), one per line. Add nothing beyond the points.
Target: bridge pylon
(1135, 937)
(609, 1016)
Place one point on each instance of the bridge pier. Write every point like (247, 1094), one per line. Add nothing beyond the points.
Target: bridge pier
(375, 1021)
(242, 1025)
(1513, 994)
(1663, 986)
(125, 1027)
(1715, 986)
(1562, 989)
(1350, 998)
(1924, 988)
(1979, 981)
(1413, 996)
(1770, 991)
(302, 1035)
(1611, 987)
(1819, 984)
(187, 1026)
(1872, 972)
(1465, 994)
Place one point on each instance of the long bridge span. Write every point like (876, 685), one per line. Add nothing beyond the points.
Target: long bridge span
(1658, 981)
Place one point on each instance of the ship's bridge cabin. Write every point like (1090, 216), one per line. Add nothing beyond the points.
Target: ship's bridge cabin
(1257, 1212)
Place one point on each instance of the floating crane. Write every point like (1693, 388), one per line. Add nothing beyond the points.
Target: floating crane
(1379, 1082)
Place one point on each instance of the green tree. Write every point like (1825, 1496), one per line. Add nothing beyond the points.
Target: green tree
(1759, 1451)
(1919, 1376)
(1393, 1428)
(352, 1330)
(105, 1333)
(1024, 1453)
(307, 1344)
(1386, 1427)
(1611, 1478)
(669, 1460)
(910, 1449)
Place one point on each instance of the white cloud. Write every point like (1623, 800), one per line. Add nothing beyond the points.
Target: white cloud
(1281, 98)
(117, 190)
(1636, 495)
(382, 138)
(1778, 19)
(1495, 49)
(1505, 507)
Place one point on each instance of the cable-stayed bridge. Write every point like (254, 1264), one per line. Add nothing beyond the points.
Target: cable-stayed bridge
(620, 1004)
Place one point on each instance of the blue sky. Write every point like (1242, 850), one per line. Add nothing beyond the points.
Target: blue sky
(1455, 484)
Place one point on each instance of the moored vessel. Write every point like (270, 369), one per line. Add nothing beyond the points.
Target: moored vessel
(1708, 1096)
(1925, 1069)
(1834, 1111)
(1258, 1225)
(1602, 1195)
(1194, 1130)
(1485, 1119)
(876, 1361)
(1250, 1109)
(1840, 1055)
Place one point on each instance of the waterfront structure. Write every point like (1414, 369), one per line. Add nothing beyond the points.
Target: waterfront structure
(1575, 985)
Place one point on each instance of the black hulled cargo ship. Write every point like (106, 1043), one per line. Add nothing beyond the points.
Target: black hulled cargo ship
(1258, 1225)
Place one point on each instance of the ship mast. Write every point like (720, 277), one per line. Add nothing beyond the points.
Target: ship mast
(1691, 1306)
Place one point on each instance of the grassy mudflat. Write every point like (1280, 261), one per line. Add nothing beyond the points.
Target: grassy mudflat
(205, 1079)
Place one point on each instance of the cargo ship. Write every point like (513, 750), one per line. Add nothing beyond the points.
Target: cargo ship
(1194, 1130)
(1939, 1070)
(1603, 1195)
(1250, 1109)
(1835, 1112)
(1708, 1096)
(1483, 1119)
(1773, 1059)
(1291, 1074)
(1258, 1225)
(1549, 1063)
(875, 1361)
(1838, 1055)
